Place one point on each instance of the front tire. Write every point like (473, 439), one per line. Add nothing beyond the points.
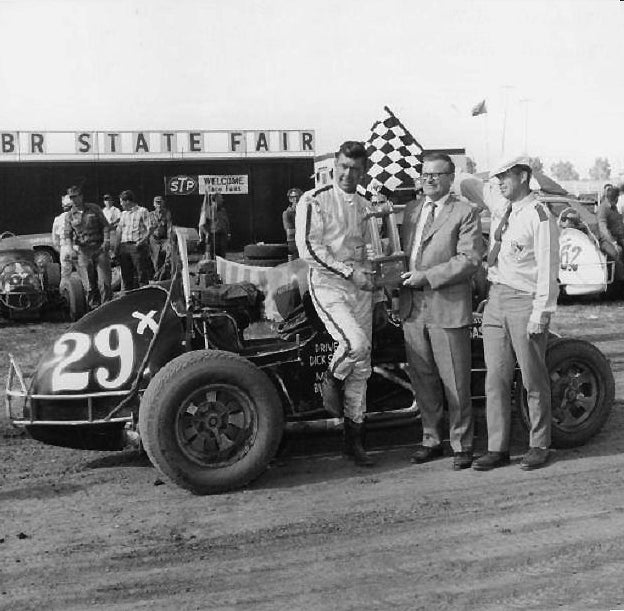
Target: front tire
(582, 392)
(210, 421)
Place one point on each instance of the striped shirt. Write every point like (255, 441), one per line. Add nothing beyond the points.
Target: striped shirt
(134, 225)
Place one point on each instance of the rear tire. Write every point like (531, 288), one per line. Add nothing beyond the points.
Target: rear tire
(266, 251)
(51, 276)
(211, 421)
(582, 392)
(264, 262)
(72, 293)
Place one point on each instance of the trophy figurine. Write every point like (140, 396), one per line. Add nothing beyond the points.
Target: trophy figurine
(387, 263)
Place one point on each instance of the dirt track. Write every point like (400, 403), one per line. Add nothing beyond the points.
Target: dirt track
(89, 529)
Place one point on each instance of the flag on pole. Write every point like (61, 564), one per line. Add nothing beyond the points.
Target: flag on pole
(479, 109)
(394, 156)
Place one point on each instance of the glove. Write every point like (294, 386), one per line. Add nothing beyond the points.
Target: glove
(363, 279)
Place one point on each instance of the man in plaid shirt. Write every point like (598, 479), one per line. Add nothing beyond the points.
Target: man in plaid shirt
(133, 249)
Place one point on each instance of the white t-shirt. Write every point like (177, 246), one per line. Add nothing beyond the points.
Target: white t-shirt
(112, 214)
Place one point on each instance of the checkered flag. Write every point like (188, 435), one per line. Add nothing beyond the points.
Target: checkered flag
(394, 156)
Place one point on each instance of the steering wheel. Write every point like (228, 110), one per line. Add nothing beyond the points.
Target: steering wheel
(6, 234)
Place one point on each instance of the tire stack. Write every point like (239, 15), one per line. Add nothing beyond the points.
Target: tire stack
(265, 255)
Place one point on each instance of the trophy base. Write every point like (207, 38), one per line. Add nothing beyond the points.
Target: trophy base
(387, 270)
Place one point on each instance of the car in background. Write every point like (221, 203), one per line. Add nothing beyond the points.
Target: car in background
(40, 243)
(30, 289)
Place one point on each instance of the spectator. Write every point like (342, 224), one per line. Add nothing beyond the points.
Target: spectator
(87, 229)
(160, 232)
(63, 246)
(611, 230)
(133, 250)
(112, 214)
(214, 226)
(288, 219)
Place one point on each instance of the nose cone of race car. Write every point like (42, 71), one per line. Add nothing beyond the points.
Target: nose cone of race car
(102, 354)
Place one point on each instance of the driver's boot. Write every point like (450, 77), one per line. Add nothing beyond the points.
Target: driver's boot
(354, 444)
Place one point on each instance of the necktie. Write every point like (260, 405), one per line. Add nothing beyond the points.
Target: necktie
(498, 236)
(429, 221)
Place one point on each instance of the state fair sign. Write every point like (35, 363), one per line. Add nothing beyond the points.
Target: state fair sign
(228, 183)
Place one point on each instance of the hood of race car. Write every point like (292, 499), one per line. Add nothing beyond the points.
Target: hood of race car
(104, 351)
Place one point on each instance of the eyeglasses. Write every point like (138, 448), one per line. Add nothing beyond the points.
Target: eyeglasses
(436, 175)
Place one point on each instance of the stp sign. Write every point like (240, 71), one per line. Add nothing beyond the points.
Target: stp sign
(182, 185)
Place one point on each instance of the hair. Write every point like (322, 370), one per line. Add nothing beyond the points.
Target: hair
(162, 197)
(353, 150)
(126, 195)
(440, 157)
(523, 168)
(612, 191)
(75, 188)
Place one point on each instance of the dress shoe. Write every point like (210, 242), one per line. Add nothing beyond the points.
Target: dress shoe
(535, 458)
(490, 461)
(462, 460)
(426, 453)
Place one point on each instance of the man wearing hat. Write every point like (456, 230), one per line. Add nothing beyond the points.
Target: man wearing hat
(160, 230)
(288, 219)
(523, 262)
(63, 246)
(112, 214)
(88, 230)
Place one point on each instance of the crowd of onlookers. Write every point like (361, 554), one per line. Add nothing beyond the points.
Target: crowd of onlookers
(89, 237)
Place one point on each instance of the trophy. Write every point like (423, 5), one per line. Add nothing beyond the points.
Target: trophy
(387, 266)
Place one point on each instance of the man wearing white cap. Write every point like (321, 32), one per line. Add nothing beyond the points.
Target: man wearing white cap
(523, 261)
(64, 246)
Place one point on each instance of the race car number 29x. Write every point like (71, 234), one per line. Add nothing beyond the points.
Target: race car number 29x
(112, 342)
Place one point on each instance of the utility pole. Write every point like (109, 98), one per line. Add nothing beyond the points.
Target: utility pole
(506, 89)
(525, 113)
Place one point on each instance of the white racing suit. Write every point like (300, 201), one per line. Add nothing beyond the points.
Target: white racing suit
(331, 236)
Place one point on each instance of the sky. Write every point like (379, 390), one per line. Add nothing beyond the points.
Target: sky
(550, 71)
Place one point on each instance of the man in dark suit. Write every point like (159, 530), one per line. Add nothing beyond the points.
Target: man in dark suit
(441, 236)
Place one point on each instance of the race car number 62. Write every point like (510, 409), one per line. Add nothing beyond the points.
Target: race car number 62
(73, 346)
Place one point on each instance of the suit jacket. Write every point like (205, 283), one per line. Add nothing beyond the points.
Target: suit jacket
(450, 254)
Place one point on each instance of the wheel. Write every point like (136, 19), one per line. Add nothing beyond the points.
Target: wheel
(264, 262)
(43, 257)
(582, 391)
(72, 293)
(51, 276)
(266, 251)
(6, 234)
(210, 421)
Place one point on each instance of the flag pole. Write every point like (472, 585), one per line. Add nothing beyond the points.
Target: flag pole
(487, 140)
(403, 126)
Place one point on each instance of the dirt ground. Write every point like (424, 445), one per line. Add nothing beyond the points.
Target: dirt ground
(95, 530)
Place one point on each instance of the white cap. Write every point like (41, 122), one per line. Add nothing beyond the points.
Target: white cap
(510, 163)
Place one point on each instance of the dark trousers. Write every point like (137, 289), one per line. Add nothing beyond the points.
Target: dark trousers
(135, 265)
(94, 269)
(158, 252)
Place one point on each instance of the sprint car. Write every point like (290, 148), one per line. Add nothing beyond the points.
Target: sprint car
(31, 287)
(173, 365)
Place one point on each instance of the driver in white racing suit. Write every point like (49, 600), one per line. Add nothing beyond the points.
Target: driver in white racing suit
(332, 237)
